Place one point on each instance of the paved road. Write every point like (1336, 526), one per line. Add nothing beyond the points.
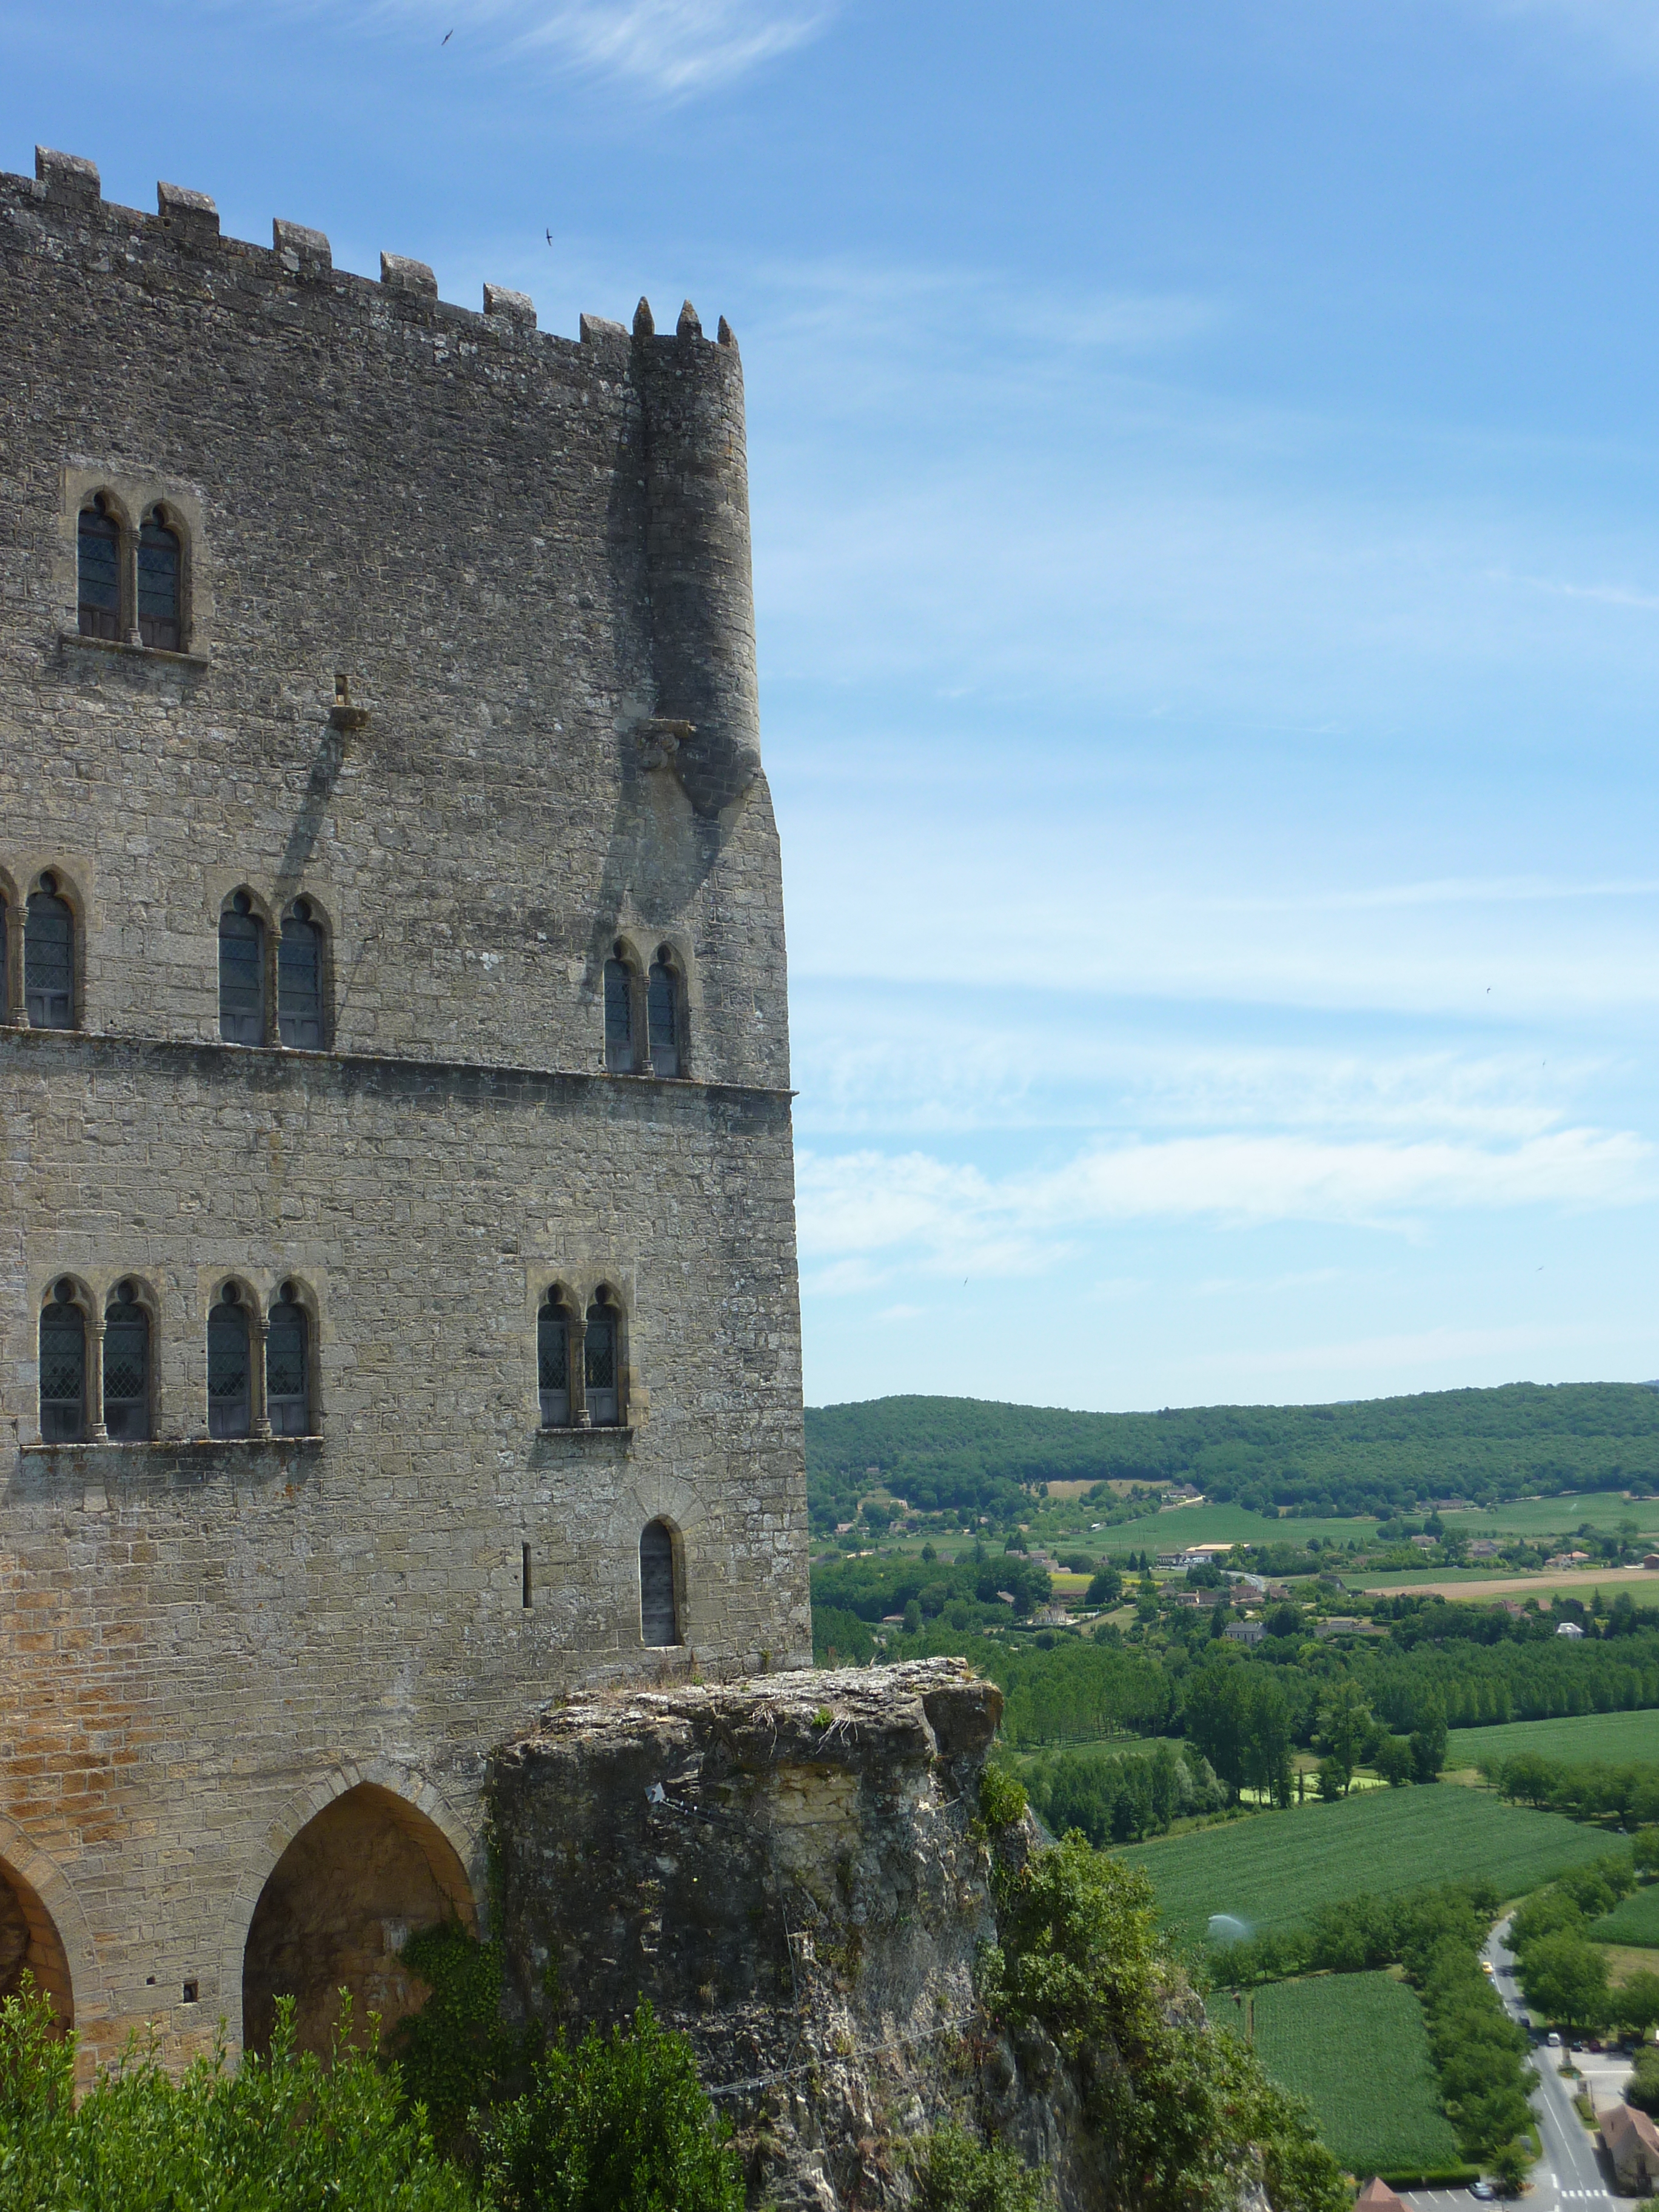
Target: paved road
(1572, 2172)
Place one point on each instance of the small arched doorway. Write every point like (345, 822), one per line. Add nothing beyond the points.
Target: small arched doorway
(30, 1944)
(346, 1893)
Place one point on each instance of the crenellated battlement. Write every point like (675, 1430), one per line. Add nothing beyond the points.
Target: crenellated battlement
(68, 185)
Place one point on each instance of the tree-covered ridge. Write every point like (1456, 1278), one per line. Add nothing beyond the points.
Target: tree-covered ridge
(1373, 1456)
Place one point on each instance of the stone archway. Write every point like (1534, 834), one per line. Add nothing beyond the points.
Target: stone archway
(30, 1944)
(352, 1885)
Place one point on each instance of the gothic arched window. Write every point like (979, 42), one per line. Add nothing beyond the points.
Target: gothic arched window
(98, 565)
(63, 1368)
(241, 973)
(553, 1364)
(126, 1364)
(664, 1002)
(299, 979)
(288, 1366)
(601, 1361)
(230, 1401)
(159, 621)
(660, 1612)
(5, 959)
(618, 1017)
(49, 958)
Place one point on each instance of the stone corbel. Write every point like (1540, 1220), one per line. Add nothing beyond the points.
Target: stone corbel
(660, 738)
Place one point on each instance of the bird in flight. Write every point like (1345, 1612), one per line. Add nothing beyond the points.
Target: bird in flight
(447, 37)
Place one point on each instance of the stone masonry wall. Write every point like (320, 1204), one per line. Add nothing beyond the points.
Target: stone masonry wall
(468, 662)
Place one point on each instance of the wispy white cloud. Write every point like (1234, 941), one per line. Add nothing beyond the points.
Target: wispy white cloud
(860, 1212)
(672, 49)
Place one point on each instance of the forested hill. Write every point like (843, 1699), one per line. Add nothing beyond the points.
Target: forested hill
(1373, 1456)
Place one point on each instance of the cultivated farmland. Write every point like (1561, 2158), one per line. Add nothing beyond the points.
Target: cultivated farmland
(1272, 1869)
(1353, 2045)
(1615, 1738)
(1634, 1920)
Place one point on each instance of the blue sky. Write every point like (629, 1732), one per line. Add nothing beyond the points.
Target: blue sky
(1206, 469)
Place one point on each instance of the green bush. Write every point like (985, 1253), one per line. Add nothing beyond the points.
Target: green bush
(1642, 2090)
(455, 2054)
(1185, 2106)
(614, 2123)
(283, 2133)
(953, 2174)
(1002, 1798)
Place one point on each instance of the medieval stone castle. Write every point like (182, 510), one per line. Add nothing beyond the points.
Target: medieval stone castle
(398, 1298)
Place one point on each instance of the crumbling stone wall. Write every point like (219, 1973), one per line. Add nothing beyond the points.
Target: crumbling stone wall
(794, 1872)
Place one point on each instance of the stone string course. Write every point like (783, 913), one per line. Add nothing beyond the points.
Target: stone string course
(468, 662)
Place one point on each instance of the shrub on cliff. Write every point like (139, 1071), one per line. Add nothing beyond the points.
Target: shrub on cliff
(284, 2133)
(1181, 2109)
(953, 2174)
(613, 2123)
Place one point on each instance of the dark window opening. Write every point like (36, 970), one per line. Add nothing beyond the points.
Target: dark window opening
(619, 1018)
(553, 1365)
(230, 1405)
(526, 1578)
(5, 962)
(288, 1389)
(663, 1001)
(241, 973)
(126, 1366)
(63, 1368)
(49, 959)
(300, 980)
(158, 583)
(98, 548)
(600, 1367)
(659, 1619)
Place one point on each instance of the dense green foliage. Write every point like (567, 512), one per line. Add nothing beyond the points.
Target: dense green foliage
(1273, 1870)
(1077, 1954)
(455, 2054)
(1374, 1457)
(1479, 2053)
(1354, 2046)
(1064, 1688)
(1119, 1797)
(964, 1590)
(954, 2173)
(1627, 1795)
(286, 2133)
(612, 2124)
(1563, 1973)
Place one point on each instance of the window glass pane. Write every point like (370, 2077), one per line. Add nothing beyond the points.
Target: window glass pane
(100, 593)
(241, 979)
(63, 1374)
(299, 986)
(599, 1366)
(663, 1002)
(126, 1369)
(49, 963)
(287, 1399)
(158, 586)
(228, 1372)
(658, 1622)
(553, 1366)
(619, 1018)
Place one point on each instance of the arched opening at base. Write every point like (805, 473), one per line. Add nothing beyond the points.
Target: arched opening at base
(345, 1897)
(30, 1944)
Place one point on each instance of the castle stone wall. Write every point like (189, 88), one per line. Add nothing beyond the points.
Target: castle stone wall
(470, 664)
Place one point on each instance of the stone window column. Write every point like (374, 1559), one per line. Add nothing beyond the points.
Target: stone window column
(96, 1432)
(639, 1008)
(258, 1416)
(579, 1418)
(129, 583)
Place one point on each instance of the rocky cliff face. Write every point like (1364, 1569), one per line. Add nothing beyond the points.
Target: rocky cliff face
(794, 1871)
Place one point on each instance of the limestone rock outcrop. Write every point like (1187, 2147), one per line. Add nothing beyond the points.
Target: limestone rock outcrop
(793, 1870)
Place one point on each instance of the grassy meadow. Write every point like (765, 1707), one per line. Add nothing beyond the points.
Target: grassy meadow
(1270, 1870)
(1215, 1524)
(1354, 2046)
(1615, 1738)
(1550, 1516)
(1634, 1920)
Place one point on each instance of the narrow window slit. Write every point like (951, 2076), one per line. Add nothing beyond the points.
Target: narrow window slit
(527, 1577)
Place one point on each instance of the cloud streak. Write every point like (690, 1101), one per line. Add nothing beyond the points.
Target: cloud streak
(861, 1213)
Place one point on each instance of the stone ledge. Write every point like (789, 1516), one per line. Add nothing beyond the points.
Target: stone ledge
(195, 1444)
(72, 639)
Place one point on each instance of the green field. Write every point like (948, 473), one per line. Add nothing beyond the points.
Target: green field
(1353, 2045)
(1551, 1516)
(1634, 1920)
(1615, 1737)
(1214, 1525)
(1269, 1871)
